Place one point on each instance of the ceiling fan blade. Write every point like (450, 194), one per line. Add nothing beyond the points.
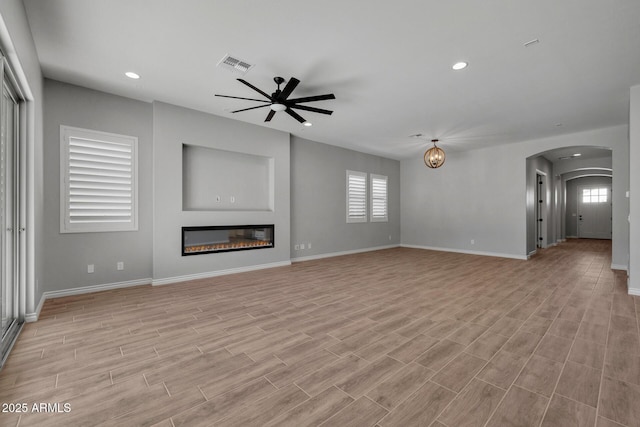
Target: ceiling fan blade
(291, 85)
(295, 115)
(313, 109)
(238, 97)
(312, 98)
(255, 88)
(270, 116)
(251, 108)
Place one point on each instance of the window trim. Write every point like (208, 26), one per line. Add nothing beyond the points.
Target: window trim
(358, 219)
(68, 132)
(386, 198)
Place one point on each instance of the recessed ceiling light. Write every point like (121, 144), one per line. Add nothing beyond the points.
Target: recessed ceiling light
(577, 155)
(307, 124)
(459, 65)
(132, 75)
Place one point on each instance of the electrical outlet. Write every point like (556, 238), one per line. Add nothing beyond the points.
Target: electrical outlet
(91, 268)
(218, 199)
(473, 242)
(296, 247)
(309, 245)
(302, 246)
(120, 265)
(232, 199)
(389, 236)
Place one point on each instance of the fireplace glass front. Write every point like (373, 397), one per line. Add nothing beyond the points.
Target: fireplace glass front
(210, 239)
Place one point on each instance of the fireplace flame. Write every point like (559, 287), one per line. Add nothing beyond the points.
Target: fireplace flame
(238, 244)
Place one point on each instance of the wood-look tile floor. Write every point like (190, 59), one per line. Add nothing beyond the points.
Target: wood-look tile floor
(398, 337)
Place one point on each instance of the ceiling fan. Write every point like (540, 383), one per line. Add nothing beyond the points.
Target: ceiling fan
(279, 100)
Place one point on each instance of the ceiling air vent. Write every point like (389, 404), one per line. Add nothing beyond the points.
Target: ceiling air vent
(234, 64)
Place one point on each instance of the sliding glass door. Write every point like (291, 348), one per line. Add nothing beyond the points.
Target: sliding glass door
(9, 292)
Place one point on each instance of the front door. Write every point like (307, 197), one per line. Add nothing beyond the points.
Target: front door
(594, 212)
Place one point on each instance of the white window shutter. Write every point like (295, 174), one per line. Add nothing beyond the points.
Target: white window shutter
(100, 179)
(379, 202)
(356, 196)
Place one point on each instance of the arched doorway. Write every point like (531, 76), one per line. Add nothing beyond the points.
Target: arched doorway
(547, 176)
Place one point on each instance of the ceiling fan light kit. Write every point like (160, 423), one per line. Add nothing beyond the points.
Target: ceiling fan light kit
(280, 101)
(434, 157)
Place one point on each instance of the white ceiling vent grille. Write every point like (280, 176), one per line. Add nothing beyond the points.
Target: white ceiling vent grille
(234, 64)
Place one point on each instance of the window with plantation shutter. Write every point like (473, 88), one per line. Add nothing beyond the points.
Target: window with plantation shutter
(356, 196)
(379, 203)
(98, 173)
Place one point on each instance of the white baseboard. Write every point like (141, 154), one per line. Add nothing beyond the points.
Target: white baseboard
(464, 251)
(619, 267)
(632, 291)
(96, 288)
(334, 254)
(572, 237)
(206, 275)
(32, 317)
(532, 253)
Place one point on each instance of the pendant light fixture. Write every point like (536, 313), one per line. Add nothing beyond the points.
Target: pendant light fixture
(434, 156)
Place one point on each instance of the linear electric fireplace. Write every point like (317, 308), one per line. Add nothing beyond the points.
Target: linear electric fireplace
(226, 238)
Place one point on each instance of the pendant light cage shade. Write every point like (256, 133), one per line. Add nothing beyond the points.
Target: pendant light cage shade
(434, 157)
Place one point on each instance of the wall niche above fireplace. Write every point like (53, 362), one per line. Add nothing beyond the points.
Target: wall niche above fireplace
(226, 238)
(221, 180)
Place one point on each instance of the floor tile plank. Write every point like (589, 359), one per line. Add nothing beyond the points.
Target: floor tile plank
(473, 406)
(519, 408)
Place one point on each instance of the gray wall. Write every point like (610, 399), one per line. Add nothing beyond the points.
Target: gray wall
(477, 195)
(318, 200)
(174, 126)
(481, 195)
(571, 218)
(206, 184)
(315, 195)
(17, 44)
(68, 254)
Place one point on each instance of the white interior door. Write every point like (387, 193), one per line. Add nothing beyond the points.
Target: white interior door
(541, 210)
(594, 212)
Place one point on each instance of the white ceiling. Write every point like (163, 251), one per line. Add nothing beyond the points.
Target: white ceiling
(388, 63)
